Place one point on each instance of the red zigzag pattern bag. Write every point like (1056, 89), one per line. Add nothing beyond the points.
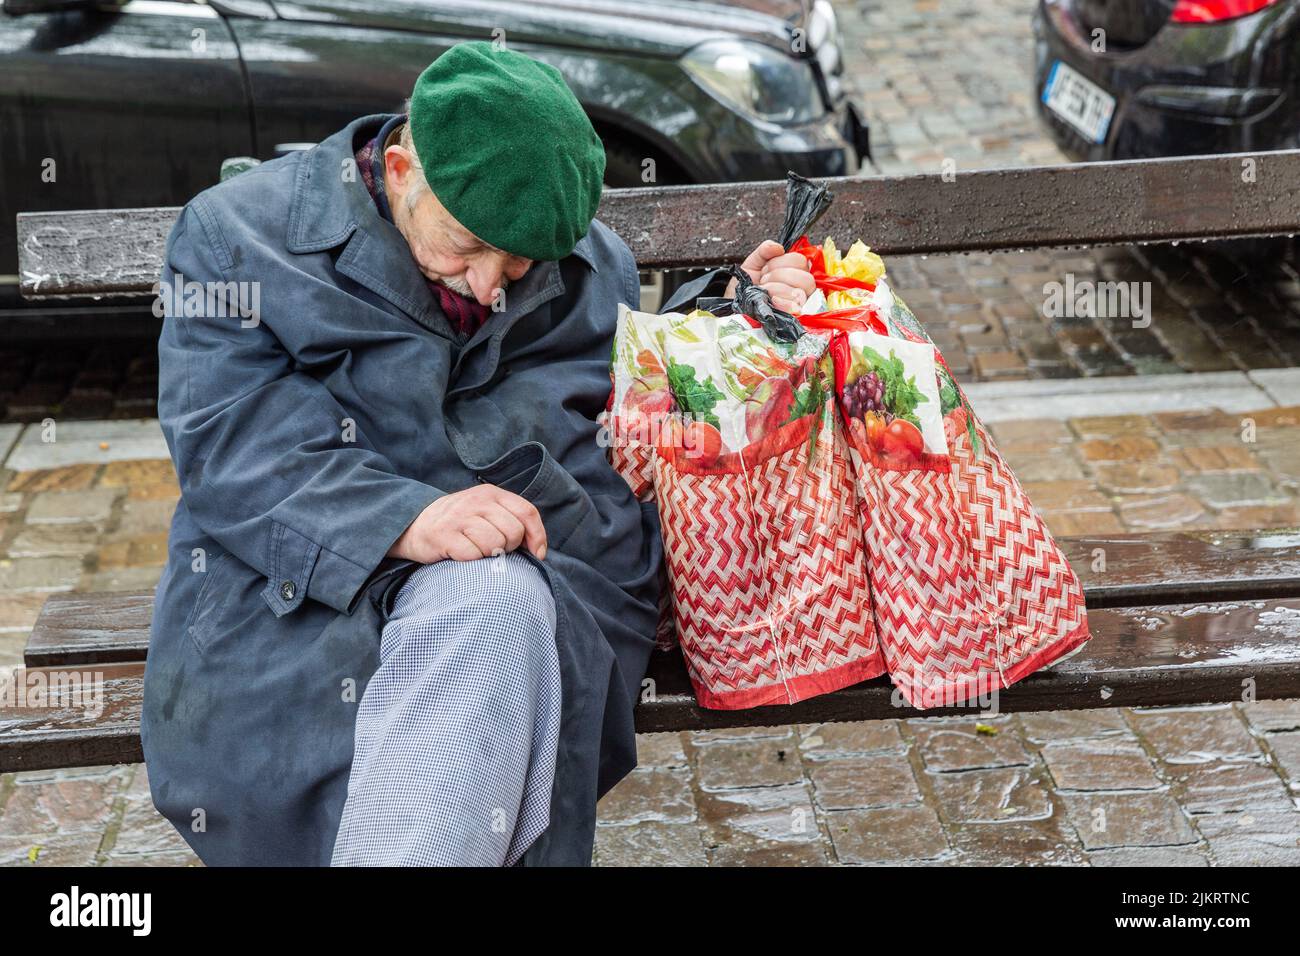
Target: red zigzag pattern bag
(763, 531)
(832, 509)
(970, 591)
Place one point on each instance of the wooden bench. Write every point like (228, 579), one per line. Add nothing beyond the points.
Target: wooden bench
(1176, 618)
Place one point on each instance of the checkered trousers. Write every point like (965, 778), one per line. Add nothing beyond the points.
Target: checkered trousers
(457, 731)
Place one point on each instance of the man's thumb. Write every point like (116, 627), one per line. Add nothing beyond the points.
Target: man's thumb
(767, 250)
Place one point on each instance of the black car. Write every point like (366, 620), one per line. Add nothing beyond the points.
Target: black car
(1121, 79)
(137, 103)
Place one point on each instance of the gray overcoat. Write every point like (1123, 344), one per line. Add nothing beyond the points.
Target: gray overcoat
(306, 438)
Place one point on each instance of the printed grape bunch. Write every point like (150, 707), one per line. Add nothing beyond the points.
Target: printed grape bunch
(880, 399)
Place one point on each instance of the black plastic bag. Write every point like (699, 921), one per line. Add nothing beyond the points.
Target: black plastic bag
(716, 304)
(805, 201)
(753, 301)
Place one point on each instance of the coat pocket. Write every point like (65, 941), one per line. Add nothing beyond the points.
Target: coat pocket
(207, 603)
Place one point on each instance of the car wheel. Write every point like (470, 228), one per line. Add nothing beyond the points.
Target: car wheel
(626, 167)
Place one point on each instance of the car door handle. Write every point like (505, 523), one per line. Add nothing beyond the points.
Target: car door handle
(283, 149)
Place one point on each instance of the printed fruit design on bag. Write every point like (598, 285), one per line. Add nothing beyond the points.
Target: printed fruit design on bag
(666, 405)
(769, 406)
(696, 431)
(904, 548)
(699, 441)
(880, 401)
(649, 393)
(724, 389)
(640, 397)
(772, 404)
(957, 417)
(776, 402)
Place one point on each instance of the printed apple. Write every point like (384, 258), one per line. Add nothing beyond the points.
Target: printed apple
(649, 392)
(658, 402)
(768, 407)
(646, 403)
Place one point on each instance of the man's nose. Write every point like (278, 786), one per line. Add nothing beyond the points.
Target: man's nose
(485, 282)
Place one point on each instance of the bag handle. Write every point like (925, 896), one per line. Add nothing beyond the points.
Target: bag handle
(863, 318)
(753, 302)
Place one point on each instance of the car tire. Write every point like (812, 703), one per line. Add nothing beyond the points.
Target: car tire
(624, 169)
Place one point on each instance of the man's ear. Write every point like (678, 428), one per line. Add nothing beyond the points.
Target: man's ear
(397, 167)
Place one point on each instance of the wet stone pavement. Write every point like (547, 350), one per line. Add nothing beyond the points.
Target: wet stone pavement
(945, 79)
(1187, 787)
(1195, 786)
(952, 81)
(1215, 785)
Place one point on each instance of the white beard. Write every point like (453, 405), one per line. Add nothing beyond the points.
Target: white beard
(458, 285)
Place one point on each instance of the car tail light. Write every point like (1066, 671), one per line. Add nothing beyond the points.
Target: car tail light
(1212, 11)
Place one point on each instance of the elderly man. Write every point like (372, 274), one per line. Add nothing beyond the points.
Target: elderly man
(408, 603)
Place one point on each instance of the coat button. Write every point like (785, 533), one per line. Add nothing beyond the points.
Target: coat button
(287, 590)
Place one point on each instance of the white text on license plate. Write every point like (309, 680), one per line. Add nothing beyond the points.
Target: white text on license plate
(1079, 101)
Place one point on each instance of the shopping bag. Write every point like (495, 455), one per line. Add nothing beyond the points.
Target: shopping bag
(832, 508)
(970, 591)
(736, 437)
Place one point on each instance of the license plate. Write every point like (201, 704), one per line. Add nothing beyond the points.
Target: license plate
(1079, 101)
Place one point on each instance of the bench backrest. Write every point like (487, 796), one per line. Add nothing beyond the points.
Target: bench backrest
(1153, 200)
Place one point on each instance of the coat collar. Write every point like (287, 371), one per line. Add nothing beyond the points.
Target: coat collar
(330, 209)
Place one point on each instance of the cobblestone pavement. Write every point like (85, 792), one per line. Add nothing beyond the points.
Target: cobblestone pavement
(1163, 786)
(1169, 786)
(945, 79)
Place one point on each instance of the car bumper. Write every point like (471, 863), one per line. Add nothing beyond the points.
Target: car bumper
(1157, 112)
(833, 145)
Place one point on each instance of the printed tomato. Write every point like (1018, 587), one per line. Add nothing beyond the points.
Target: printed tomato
(901, 443)
(702, 442)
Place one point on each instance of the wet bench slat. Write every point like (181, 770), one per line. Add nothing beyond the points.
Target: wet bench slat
(120, 251)
(1137, 570)
(91, 628)
(1176, 619)
(1201, 653)
(1128, 570)
(71, 734)
(1208, 652)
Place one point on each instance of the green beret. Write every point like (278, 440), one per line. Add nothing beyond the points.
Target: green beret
(507, 149)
